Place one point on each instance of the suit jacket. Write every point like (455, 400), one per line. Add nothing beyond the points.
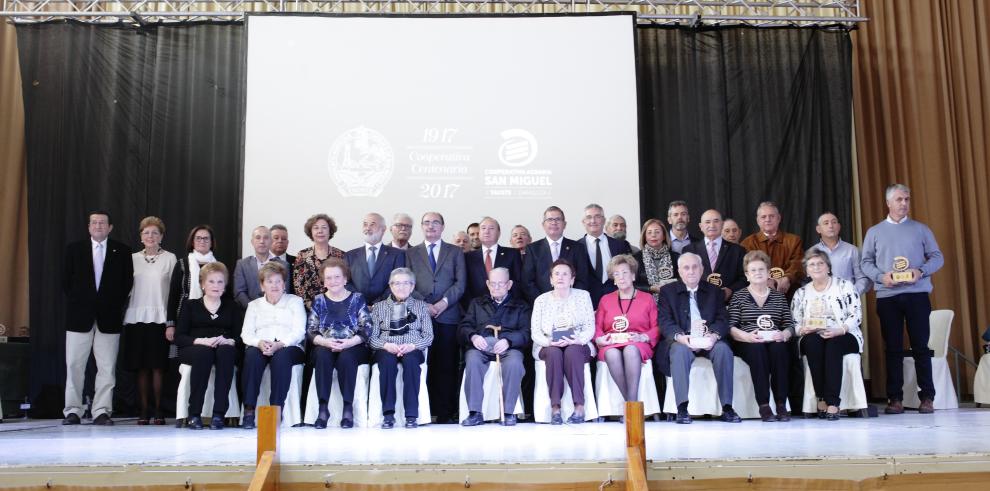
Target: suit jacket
(675, 315)
(246, 284)
(291, 261)
(86, 304)
(536, 268)
(373, 287)
(729, 263)
(514, 316)
(596, 288)
(449, 280)
(474, 261)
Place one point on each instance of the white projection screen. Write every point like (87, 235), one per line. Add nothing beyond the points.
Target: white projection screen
(468, 116)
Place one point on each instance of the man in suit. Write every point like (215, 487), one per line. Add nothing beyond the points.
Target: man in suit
(541, 254)
(679, 218)
(401, 231)
(683, 304)
(246, 284)
(440, 282)
(372, 263)
(480, 262)
(97, 279)
(726, 256)
(601, 249)
(280, 244)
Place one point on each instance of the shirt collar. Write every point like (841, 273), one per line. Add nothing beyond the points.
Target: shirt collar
(891, 220)
(717, 241)
(376, 245)
(95, 243)
(494, 249)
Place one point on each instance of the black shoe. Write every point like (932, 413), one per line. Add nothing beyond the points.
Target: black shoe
(766, 414)
(729, 416)
(346, 423)
(103, 420)
(248, 422)
(71, 419)
(510, 420)
(783, 415)
(556, 419)
(195, 423)
(321, 423)
(575, 419)
(473, 419)
(832, 416)
(411, 422)
(683, 418)
(216, 423)
(388, 422)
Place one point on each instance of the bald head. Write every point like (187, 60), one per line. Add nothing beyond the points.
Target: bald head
(711, 224)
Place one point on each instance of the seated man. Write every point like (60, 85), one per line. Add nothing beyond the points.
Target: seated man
(692, 305)
(511, 317)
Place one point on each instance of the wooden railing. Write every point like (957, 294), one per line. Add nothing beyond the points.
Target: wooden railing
(635, 448)
(266, 473)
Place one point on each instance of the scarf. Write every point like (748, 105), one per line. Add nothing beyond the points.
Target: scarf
(659, 267)
(195, 259)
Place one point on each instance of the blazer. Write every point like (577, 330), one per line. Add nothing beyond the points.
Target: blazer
(675, 316)
(448, 281)
(85, 304)
(373, 287)
(246, 284)
(536, 268)
(596, 288)
(474, 261)
(729, 263)
(513, 316)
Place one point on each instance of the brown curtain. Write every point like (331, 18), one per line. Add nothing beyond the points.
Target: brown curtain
(921, 77)
(13, 191)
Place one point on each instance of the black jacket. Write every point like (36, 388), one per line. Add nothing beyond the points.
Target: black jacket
(513, 315)
(84, 303)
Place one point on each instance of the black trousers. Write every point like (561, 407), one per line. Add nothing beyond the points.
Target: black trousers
(825, 364)
(912, 309)
(769, 365)
(202, 359)
(281, 373)
(388, 370)
(443, 379)
(345, 362)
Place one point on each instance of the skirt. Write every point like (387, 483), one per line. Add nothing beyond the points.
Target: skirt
(145, 346)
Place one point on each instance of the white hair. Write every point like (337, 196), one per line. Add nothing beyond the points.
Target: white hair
(895, 187)
(687, 255)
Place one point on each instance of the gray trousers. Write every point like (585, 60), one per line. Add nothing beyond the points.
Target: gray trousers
(681, 358)
(475, 366)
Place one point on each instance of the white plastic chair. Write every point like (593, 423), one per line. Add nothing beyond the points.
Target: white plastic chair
(375, 397)
(489, 406)
(702, 390)
(610, 401)
(542, 410)
(744, 393)
(981, 385)
(940, 322)
(852, 394)
(291, 412)
(336, 402)
(185, 388)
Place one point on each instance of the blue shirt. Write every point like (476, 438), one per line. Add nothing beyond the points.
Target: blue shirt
(846, 264)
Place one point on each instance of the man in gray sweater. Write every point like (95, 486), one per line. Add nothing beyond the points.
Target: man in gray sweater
(900, 255)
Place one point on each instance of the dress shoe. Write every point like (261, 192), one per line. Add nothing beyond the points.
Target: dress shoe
(575, 419)
(894, 407)
(783, 415)
(216, 423)
(926, 407)
(683, 418)
(248, 422)
(158, 421)
(509, 420)
(144, 421)
(766, 414)
(321, 423)
(556, 419)
(195, 423)
(388, 422)
(729, 416)
(832, 414)
(411, 423)
(346, 423)
(103, 420)
(71, 419)
(474, 419)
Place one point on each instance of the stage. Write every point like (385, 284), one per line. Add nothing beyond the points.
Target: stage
(36, 452)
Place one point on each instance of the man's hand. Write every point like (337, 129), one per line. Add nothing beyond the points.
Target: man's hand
(888, 279)
(783, 284)
(500, 347)
(479, 343)
(438, 308)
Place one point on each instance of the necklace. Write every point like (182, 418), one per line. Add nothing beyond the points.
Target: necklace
(151, 259)
(214, 312)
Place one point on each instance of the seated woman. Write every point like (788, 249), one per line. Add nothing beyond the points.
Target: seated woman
(562, 327)
(401, 332)
(206, 336)
(760, 325)
(657, 261)
(626, 327)
(338, 329)
(827, 312)
(273, 333)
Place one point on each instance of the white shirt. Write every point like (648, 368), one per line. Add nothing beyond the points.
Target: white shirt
(104, 244)
(367, 250)
(898, 222)
(606, 254)
(484, 251)
(551, 243)
(270, 257)
(285, 321)
(397, 246)
(436, 250)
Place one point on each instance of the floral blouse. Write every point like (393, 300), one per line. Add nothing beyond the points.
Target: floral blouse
(306, 274)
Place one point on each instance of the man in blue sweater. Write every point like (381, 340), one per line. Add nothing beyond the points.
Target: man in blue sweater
(900, 255)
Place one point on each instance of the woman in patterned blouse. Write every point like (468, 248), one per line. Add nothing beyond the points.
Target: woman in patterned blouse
(827, 312)
(761, 325)
(306, 279)
(657, 261)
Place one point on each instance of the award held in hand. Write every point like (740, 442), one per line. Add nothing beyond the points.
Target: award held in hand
(715, 279)
(563, 327)
(766, 328)
(901, 273)
(699, 335)
(776, 273)
(817, 312)
(618, 335)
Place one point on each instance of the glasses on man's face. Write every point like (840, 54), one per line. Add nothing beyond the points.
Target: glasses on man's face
(553, 219)
(402, 226)
(401, 283)
(202, 239)
(435, 223)
(498, 284)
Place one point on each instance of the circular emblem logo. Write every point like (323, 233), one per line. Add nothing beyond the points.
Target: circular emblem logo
(620, 323)
(715, 279)
(765, 323)
(901, 263)
(3, 329)
(361, 162)
(776, 273)
(665, 272)
(518, 149)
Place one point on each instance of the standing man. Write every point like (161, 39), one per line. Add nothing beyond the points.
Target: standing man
(785, 250)
(601, 249)
(900, 255)
(401, 231)
(542, 253)
(372, 263)
(480, 262)
(844, 256)
(462, 241)
(520, 238)
(731, 231)
(719, 256)
(440, 281)
(679, 218)
(97, 279)
(246, 284)
(615, 227)
(474, 241)
(280, 246)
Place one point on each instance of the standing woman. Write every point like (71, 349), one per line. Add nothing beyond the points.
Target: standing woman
(308, 283)
(338, 328)
(185, 276)
(568, 311)
(657, 261)
(145, 335)
(273, 333)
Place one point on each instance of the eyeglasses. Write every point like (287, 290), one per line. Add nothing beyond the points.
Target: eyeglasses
(499, 284)
(402, 226)
(202, 239)
(401, 283)
(553, 219)
(435, 223)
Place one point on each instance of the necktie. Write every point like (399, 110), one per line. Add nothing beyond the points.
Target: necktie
(488, 261)
(555, 251)
(712, 254)
(598, 260)
(372, 258)
(695, 313)
(433, 260)
(98, 264)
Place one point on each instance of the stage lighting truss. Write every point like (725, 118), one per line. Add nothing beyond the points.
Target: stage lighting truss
(674, 12)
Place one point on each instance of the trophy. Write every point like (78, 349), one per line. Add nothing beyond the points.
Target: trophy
(563, 326)
(698, 338)
(620, 324)
(816, 315)
(765, 327)
(665, 272)
(715, 279)
(901, 273)
(776, 273)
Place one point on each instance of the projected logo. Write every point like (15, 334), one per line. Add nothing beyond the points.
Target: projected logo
(361, 162)
(518, 149)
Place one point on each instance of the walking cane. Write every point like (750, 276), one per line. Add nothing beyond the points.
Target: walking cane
(498, 367)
